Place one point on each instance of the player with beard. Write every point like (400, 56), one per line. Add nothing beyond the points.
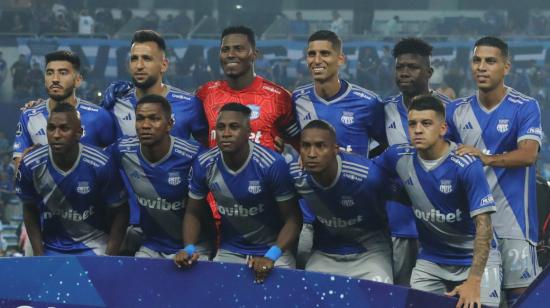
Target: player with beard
(147, 65)
(412, 76)
(61, 79)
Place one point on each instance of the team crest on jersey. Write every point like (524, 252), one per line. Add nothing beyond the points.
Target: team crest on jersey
(502, 125)
(347, 118)
(254, 187)
(255, 111)
(174, 178)
(83, 131)
(83, 188)
(347, 201)
(446, 186)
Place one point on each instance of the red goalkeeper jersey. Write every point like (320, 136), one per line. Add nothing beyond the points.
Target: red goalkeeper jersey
(272, 112)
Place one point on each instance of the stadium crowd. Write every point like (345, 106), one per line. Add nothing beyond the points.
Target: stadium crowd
(417, 189)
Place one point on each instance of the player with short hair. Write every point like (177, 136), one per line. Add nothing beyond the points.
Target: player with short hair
(345, 192)
(252, 187)
(148, 63)
(155, 167)
(61, 79)
(502, 127)
(357, 114)
(452, 204)
(68, 191)
(412, 75)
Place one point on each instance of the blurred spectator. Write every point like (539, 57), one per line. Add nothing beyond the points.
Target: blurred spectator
(5, 145)
(6, 193)
(61, 24)
(18, 25)
(19, 71)
(59, 9)
(105, 23)
(182, 24)
(3, 69)
(447, 91)
(151, 20)
(167, 25)
(262, 67)
(337, 23)
(36, 79)
(393, 27)
(85, 23)
(438, 74)
(280, 71)
(387, 59)
(202, 73)
(299, 27)
(7, 165)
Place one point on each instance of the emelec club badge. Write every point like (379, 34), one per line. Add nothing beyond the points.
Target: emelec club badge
(347, 118)
(445, 186)
(83, 188)
(174, 178)
(502, 126)
(254, 187)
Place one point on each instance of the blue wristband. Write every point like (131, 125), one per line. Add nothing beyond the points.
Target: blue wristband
(273, 253)
(190, 249)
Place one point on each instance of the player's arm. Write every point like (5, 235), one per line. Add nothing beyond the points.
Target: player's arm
(469, 291)
(31, 217)
(121, 216)
(525, 155)
(194, 213)
(292, 218)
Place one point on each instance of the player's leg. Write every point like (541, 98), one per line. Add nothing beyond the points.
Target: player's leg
(430, 277)
(491, 281)
(230, 257)
(405, 251)
(145, 252)
(520, 267)
(132, 241)
(305, 245)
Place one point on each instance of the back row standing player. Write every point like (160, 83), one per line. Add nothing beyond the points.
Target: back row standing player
(412, 75)
(502, 127)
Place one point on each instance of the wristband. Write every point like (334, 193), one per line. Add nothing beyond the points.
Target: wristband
(190, 249)
(273, 253)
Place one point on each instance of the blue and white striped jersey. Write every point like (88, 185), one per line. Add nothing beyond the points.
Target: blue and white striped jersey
(497, 131)
(72, 203)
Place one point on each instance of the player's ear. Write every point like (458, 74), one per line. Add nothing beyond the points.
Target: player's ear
(171, 123)
(507, 65)
(78, 79)
(255, 52)
(164, 65)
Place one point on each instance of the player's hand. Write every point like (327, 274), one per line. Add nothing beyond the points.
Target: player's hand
(182, 259)
(27, 150)
(465, 149)
(279, 144)
(114, 90)
(468, 292)
(261, 266)
(31, 104)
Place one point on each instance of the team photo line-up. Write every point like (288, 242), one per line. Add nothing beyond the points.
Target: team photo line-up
(415, 189)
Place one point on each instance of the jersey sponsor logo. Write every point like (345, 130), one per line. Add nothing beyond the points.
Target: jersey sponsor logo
(174, 178)
(436, 216)
(502, 125)
(307, 117)
(41, 132)
(457, 161)
(173, 117)
(159, 204)
(347, 201)
(535, 131)
(392, 125)
(69, 214)
(19, 130)
(83, 131)
(254, 187)
(89, 161)
(337, 222)
(468, 126)
(83, 188)
(352, 177)
(347, 118)
(255, 111)
(240, 210)
(271, 89)
(487, 200)
(89, 108)
(360, 94)
(494, 294)
(446, 186)
(178, 96)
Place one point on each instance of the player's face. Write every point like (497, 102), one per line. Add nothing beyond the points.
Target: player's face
(412, 74)
(426, 128)
(232, 131)
(147, 64)
(236, 55)
(61, 79)
(323, 61)
(489, 67)
(152, 124)
(317, 149)
(63, 132)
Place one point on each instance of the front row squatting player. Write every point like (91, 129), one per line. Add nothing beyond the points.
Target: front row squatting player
(345, 192)
(156, 166)
(74, 201)
(252, 187)
(502, 127)
(452, 204)
(412, 75)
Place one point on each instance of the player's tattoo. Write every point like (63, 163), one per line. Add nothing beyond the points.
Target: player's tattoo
(482, 243)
